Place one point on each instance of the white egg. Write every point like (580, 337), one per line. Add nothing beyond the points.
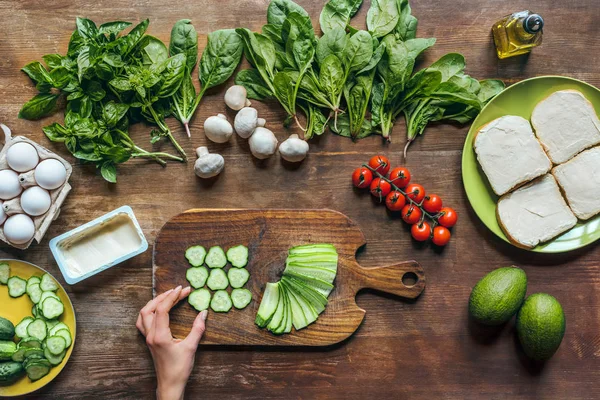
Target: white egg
(35, 201)
(19, 229)
(2, 214)
(22, 157)
(9, 184)
(50, 174)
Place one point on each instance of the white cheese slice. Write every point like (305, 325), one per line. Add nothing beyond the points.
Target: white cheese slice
(535, 213)
(509, 153)
(579, 179)
(566, 124)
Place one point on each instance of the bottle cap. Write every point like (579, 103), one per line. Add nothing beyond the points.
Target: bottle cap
(533, 23)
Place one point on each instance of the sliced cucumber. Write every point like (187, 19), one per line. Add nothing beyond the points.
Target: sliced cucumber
(31, 342)
(58, 327)
(45, 295)
(56, 344)
(216, 257)
(308, 260)
(323, 274)
(238, 277)
(217, 280)
(16, 286)
(32, 353)
(241, 298)
(302, 313)
(322, 248)
(195, 255)
(220, 301)
(35, 292)
(199, 299)
(268, 305)
(21, 328)
(54, 359)
(51, 323)
(317, 284)
(65, 334)
(52, 308)
(19, 355)
(4, 273)
(37, 371)
(238, 256)
(33, 280)
(314, 298)
(48, 283)
(37, 329)
(279, 313)
(197, 276)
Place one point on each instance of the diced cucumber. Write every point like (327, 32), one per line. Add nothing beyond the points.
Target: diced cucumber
(16, 286)
(56, 344)
(238, 277)
(238, 256)
(58, 327)
(33, 280)
(217, 280)
(54, 359)
(65, 334)
(45, 295)
(268, 305)
(4, 273)
(19, 355)
(35, 292)
(241, 298)
(37, 371)
(323, 274)
(199, 299)
(216, 257)
(48, 283)
(52, 308)
(197, 276)
(220, 301)
(298, 318)
(21, 328)
(195, 255)
(319, 285)
(31, 342)
(7, 349)
(37, 329)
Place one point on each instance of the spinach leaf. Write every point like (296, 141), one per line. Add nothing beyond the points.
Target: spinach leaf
(40, 106)
(172, 75)
(255, 87)
(382, 17)
(184, 39)
(337, 14)
(279, 10)
(407, 24)
(358, 52)
(153, 50)
(220, 58)
(332, 42)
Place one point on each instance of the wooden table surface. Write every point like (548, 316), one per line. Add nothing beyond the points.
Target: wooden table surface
(421, 349)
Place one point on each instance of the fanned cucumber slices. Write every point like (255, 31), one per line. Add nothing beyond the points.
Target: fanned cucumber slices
(217, 279)
(301, 295)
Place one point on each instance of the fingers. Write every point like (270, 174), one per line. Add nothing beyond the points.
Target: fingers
(146, 316)
(197, 330)
(161, 317)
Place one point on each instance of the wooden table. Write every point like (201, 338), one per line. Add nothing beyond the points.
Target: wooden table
(423, 349)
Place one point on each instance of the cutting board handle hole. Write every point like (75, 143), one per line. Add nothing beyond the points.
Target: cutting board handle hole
(410, 279)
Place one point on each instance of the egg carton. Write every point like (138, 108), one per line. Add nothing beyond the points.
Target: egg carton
(26, 179)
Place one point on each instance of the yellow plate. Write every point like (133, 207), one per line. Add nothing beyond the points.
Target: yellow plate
(17, 309)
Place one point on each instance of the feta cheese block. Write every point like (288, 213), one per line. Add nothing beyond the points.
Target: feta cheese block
(534, 213)
(565, 123)
(579, 179)
(509, 153)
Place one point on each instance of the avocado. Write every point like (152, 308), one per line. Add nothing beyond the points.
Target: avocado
(7, 329)
(541, 326)
(498, 295)
(10, 371)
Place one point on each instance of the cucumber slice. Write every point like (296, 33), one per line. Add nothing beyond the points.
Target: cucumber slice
(37, 329)
(314, 298)
(309, 313)
(241, 298)
(322, 248)
(309, 260)
(238, 256)
(195, 255)
(19, 355)
(298, 318)
(33, 280)
(45, 295)
(58, 327)
(238, 277)
(217, 280)
(37, 358)
(51, 324)
(323, 274)
(278, 318)
(16, 286)
(31, 354)
(220, 301)
(268, 305)
(197, 276)
(21, 328)
(31, 342)
(48, 283)
(65, 334)
(4, 273)
(52, 308)
(37, 371)
(317, 284)
(56, 344)
(54, 359)
(35, 292)
(199, 299)
(216, 257)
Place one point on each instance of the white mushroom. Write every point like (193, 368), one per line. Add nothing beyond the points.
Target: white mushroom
(218, 129)
(208, 165)
(246, 121)
(263, 143)
(235, 97)
(293, 149)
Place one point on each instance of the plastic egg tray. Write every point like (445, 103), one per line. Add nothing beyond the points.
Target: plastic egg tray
(26, 179)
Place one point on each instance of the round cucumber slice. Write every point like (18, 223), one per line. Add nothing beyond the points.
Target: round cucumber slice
(199, 299)
(220, 301)
(217, 280)
(241, 298)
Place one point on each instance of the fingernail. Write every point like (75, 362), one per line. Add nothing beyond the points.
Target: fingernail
(203, 315)
(168, 291)
(178, 288)
(188, 288)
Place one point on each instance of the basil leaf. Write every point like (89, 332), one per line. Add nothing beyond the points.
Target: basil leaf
(121, 84)
(83, 62)
(154, 50)
(278, 11)
(86, 28)
(220, 57)
(60, 77)
(114, 60)
(55, 132)
(113, 112)
(114, 27)
(109, 172)
(184, 39)
(134, 36)
(38, 74)
(75, 44)
(53, 60)
(40, 106)
(172, 75)
(255, 86)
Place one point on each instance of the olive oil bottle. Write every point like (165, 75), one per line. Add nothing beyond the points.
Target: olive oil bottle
(517, 33)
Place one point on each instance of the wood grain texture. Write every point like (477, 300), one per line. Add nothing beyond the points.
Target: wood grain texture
(403, 350)
(269, 234)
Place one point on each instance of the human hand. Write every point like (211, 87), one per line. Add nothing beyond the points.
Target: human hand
(173, 358)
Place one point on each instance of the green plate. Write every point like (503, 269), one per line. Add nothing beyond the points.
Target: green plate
(520, 99)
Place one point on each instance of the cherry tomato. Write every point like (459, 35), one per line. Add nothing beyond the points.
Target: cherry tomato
(380, 188)
(395, 200)
(432, 203)
(415, 192)
(441, 235)
(448, 217)
(400, 177)
(411, 214)
(362, 177)
(421, 232)
(380, 164)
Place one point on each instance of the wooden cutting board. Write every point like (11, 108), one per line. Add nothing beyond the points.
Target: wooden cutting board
(269, 234)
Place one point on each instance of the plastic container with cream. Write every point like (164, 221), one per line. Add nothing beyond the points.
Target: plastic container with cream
(98, 245)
